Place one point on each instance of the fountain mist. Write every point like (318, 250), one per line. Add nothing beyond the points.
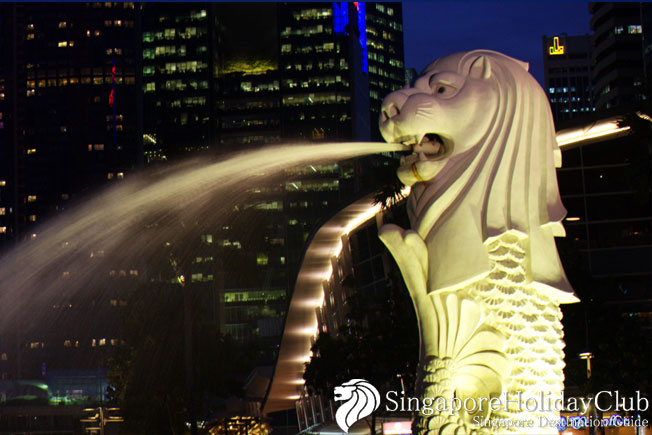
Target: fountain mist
(133, 222)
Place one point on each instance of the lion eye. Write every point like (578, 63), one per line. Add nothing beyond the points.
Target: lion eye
(445, 90)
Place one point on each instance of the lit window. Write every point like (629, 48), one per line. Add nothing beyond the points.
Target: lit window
(262, 259)
(31, 198)
(98, 147)
(67, 343)
(635, 29)
(3, 230)
(121, 175)
(3, 211)
(619, 29)
(4, 357)
(30, 36)
(62, 24)
(63, 43)
(110, 176)
(3, 183)
(31, 151)
(32, 218)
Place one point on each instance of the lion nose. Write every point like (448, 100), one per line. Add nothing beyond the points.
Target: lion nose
(391, 106)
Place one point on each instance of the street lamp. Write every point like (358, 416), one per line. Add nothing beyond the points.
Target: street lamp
(587, 356)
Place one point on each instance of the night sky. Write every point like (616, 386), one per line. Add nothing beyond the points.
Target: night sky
(433, 29)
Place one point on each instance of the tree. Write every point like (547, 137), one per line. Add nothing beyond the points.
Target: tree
(147, 373)
(379, 342)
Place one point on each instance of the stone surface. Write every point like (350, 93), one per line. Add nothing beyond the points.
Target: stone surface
(480, 261)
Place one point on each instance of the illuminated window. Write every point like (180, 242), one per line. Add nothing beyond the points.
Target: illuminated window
(62, 24)
(635, 29)
(117, 23)
(67, 343)
(102, 341)
(4, 357)
(262, 259)
(98, 147)
(63, 44)
(619, 29)
(30, 36)
(3, 183)
(31, 198)
(32, 218)
(30, 27)
(3, 230)
(121, 175)
(110, 176)
(2, 211)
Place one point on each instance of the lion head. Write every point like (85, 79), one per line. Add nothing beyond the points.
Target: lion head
(360, 400)
(483, 163)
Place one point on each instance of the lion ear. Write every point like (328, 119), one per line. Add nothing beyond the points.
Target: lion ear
(480, 68)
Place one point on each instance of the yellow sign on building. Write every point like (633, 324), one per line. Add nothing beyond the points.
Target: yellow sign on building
(556, 48)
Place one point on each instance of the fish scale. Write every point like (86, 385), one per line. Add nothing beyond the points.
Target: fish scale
(533, 346)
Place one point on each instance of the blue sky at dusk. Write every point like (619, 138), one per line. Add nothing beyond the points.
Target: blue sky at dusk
(433, 29)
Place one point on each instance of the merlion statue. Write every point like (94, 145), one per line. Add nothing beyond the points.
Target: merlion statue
(480, 261)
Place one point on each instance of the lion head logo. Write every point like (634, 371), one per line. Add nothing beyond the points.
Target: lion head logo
(483, 164)
(361, 399)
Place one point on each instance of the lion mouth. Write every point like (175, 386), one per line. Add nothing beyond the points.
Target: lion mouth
(431, 146)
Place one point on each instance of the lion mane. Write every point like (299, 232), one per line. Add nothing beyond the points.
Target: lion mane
(362, 399)
(506, 182)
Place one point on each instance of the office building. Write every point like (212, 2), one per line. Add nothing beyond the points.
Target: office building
(567, 75)
(310, 72)
(71, 122)
(618, 53)
(71, 117)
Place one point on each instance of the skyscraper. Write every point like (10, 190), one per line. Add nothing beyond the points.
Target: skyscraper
(567, 75)
(618, 53)
(71, 116)
(310, 72)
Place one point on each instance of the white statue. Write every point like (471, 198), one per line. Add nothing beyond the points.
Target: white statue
(480, 261)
